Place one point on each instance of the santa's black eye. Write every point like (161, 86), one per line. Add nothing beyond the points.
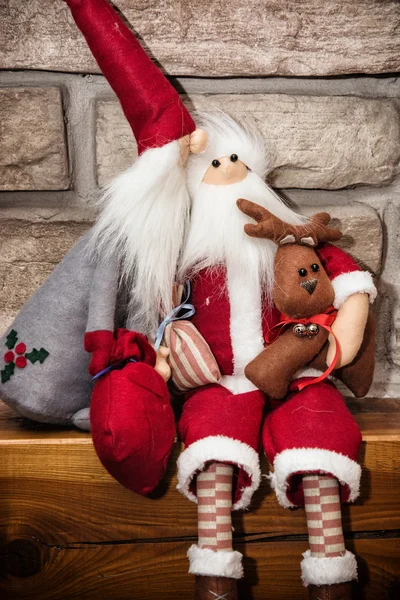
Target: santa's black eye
(234, 157)
(215, 163)
(302, 272)
(315, 268)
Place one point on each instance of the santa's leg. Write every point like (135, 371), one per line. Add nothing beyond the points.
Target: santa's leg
(219, 469)
(324, 524)
(314, 434)
(214, 495)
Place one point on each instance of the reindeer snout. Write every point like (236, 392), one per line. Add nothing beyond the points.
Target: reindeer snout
(309, 285)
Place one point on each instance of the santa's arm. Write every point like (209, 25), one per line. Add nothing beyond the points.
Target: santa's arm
(354, 291)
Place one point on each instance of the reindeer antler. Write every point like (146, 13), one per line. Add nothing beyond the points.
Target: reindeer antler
(271, 227)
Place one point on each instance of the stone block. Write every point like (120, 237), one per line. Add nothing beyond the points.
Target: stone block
(33, 153)
(213, 39)
(327, 142)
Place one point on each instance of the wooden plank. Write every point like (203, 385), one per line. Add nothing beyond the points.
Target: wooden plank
(149, 571)
(54, 488)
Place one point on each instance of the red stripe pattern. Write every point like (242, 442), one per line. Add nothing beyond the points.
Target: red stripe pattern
(191, 360)
(214, 493)
(324, 518)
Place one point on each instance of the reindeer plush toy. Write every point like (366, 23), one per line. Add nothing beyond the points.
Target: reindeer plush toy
(304, 296)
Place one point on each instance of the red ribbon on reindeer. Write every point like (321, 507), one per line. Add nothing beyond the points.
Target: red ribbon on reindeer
(324, 320)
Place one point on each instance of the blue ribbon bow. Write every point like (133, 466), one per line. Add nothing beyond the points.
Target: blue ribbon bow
(172, 316)
(175, 316)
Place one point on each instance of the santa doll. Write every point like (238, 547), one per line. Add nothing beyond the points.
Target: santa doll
(172, 218)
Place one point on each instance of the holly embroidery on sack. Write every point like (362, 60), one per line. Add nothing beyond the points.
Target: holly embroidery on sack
(19, 361)
(12, 339)
(7, 372)
(37, 355)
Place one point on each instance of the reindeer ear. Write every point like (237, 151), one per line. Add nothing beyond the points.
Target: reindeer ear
(308, 241)
(288, 239)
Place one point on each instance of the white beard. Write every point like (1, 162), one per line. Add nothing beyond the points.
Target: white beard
(216, 237)
(216, 232)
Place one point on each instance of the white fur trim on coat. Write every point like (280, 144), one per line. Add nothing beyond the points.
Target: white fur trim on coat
(204, 561)
(356, 282)
(326, 571)
(299, 460)
(222, 449)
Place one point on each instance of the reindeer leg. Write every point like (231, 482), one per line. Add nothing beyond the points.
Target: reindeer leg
(273, 369)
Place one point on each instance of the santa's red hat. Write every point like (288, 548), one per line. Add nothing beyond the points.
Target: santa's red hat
(150, 103)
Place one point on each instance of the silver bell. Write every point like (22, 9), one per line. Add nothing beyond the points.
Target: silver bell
(313, 329)
(300, 330)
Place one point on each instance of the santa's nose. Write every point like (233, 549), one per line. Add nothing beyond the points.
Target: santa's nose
(224, 171)
(309, 285)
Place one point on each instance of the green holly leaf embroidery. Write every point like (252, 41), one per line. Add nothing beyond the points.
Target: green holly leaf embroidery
(7, 372)
(12, 339)
(37, 355)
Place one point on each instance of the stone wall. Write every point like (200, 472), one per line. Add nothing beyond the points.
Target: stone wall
(318, 77)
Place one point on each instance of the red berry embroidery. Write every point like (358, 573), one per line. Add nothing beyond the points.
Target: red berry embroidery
(21, 362)
(9, 357)
(20, 348)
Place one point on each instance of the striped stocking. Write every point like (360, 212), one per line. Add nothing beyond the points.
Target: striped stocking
(214, 493)
(324, 519)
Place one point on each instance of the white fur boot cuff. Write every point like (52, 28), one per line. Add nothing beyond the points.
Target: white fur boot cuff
(204, 561)
(326, 571)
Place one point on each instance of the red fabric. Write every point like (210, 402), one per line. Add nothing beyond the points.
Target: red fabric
(315, 417)
(215, 411)
(212, 317)
(150, 103)
(21, 362)
(132, 425)
(335, 261)
(108, 349)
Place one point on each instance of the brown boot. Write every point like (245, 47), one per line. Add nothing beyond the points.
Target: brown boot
(335, 591)
(214, 588)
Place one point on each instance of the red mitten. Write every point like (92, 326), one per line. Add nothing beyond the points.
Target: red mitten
(131, 417)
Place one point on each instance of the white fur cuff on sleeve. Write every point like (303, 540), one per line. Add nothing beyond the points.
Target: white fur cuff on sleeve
(356, 282)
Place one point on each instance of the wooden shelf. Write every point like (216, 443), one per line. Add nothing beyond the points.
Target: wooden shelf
(68, 530)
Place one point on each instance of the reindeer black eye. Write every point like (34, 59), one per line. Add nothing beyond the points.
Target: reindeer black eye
(234, 157)
(315, 268)
(302, 272)
(215, 163)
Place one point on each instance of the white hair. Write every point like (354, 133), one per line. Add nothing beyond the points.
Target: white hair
(142, 220)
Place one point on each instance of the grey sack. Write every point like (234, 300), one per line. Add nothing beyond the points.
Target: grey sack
(53, 388)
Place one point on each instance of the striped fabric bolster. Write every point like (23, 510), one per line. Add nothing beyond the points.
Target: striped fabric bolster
(191, 360)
